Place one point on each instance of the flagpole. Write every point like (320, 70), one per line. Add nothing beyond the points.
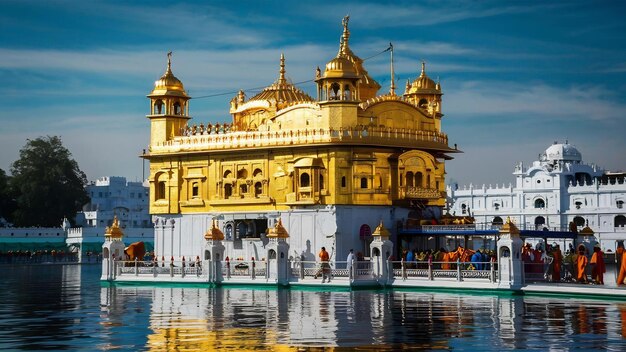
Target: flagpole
(392, 88)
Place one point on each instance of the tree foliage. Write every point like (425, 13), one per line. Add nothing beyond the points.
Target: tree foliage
(48, 184)
(7, 199)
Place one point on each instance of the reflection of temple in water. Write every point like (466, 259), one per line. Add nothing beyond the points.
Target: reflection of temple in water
(280, 319)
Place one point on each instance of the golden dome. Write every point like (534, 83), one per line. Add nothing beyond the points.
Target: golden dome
(278, 231)
(281, 90)
(214, 233)
(340, 67)
(423, 84)
(381, 231)
(168, 84)
(114, 230)
(509, 227)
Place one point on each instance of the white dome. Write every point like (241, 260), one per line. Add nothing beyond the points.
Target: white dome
(561, 152)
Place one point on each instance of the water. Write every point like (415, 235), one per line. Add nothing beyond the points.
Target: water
(64, 307)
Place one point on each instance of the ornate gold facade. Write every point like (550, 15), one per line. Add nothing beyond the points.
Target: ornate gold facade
(284, 148)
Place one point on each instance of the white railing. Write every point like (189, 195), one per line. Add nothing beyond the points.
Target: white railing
(155, 268)
(451, 270)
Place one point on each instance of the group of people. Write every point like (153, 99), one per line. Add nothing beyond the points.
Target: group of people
(36, 256)
(480, 259)
(551, 263)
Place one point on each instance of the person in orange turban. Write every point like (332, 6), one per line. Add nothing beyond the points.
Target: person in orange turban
(598, 267)
(581, 265)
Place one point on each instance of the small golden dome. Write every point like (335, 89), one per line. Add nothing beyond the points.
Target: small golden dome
(340, 67)
(424, 84)
(214, 233)
(168, 84)
(114, 230)
(381, 231)
(282, 91)
(509, 227)
(278, 231)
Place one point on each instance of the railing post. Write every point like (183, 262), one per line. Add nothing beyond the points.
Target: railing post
(389, 277)
(492, 272)
(136, 266)
(458, 270)
(155, 264)
(172, 267)
(113, 267)
(252, 273)
(403, 266)
(352, 272)
(182, 274)
(301, 267)
(430, 267)
(198, 267)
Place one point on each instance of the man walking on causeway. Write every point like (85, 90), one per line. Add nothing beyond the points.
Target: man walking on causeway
(325, 265)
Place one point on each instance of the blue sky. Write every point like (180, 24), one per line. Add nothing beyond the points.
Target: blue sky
(516, 75)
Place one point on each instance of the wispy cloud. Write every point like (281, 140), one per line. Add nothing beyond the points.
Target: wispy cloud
(575, 102)
(375, 15)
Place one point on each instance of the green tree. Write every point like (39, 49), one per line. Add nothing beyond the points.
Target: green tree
(48, 184)
(7, 200)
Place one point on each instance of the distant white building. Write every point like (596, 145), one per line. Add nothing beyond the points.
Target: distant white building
(112, 195)
(555, 190)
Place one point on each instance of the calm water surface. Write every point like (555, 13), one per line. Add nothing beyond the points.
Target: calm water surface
(64, 307)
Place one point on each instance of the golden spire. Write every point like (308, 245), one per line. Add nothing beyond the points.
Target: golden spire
(345, 35)
(114, 230)
(509, 227)
(281, 77)
(278, 231)
(169, 63)
(381, 231)
(423, 69)
(214, 233)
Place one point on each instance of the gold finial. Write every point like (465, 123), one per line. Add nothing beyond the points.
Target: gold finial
(346, 34)
(281, 78)
(214, 233)
(423, 69)
(169, 62)
(381, 230)
(278, 231)
(114, 230)
(509, 227)
(392, 87)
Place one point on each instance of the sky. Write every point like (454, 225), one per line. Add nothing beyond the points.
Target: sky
(516, 76)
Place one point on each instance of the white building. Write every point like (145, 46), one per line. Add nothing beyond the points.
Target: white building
(555, 190)
(112, 195)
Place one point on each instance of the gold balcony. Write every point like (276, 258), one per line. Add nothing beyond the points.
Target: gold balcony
(420, 193)
(289, 138)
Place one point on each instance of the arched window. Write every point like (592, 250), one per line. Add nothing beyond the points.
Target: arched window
(423, 103)
(346, 93)
(258, 189)
(257, 173)
(409, 179)
(160, 190)
(305, 180)
(334, 95)
(177, 110)
(428, 181)
(579, 221)
(419, 179)
(620, 221)
(343, 181)
(497, 221)
(228, 190)
(227, 174)
(363, 182)
(540, 220)
(243, 188)
(195, 190)
(463, 208)
(158, 107)
(322, 182)
(539, 203)
(619, 204)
